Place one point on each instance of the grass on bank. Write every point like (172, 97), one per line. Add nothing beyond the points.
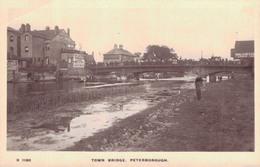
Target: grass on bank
(223, 120)
(33, 103)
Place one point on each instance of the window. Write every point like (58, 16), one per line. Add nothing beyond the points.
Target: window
(26, 37)
(47, 46)
(11, 38)
(12, 50)
(26, 49)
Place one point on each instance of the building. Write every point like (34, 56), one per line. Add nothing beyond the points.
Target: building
(74, 62)
(243, 50)
(43, 47)
(29, 50)
(13, 43)
(118, 55)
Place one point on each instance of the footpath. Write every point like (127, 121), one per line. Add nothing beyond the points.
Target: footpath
(223, 120)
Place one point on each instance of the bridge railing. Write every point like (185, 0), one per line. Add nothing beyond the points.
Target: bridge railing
(179, 63)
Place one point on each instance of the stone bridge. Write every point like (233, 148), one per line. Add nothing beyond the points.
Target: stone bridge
(202, 70)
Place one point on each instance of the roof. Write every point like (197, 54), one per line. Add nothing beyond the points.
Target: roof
(11, 29)
(16, 32)
(244, 46)
(117, 51)
(48, 34)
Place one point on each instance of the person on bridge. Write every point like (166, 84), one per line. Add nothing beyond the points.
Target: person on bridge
(198, 85)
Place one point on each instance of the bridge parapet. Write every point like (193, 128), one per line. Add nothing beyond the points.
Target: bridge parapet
(200, 70)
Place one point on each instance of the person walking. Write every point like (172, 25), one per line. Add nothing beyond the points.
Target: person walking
(198, 85)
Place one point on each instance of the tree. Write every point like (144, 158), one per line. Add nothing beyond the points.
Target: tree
(159, 53)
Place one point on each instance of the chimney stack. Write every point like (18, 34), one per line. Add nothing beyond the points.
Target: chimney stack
(56, 30)
(47, 28)
(120, 46)
(115, 46)
(28, 27)
(22, 29)
(68, 32)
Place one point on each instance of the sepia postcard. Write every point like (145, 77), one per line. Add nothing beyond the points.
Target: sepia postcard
(89, 83)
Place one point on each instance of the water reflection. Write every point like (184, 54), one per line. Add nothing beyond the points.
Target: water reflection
(97, 116)
(25, 89)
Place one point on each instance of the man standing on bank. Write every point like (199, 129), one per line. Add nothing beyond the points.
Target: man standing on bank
(198, 85)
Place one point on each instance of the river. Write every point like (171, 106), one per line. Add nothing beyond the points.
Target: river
(94, 117)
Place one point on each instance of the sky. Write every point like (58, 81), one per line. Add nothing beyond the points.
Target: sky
(192, 28)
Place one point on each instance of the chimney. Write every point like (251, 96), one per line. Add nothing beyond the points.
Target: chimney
(115, 46)
(22, 29)
(47, 28)
(27, 27)
(68, 32)
(120, 46)
(56, 30)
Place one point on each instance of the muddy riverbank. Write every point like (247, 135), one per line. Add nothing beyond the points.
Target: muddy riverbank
(57, 128)
(223, 120)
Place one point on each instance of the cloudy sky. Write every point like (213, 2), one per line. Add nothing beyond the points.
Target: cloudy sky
(191, 28)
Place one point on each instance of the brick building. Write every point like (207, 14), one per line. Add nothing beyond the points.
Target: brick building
(29, 50)
(13, 43)
(118, 55)
(43, 47)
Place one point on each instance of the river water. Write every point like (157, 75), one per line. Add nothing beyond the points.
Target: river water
(99, 115)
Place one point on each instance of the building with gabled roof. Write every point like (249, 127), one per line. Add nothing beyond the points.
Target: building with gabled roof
(40, 50)
(43, 47)
(118, 55)
(243, 50)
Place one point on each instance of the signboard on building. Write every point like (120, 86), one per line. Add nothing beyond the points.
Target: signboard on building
(244, 55)
(78, 61)
(12, 65)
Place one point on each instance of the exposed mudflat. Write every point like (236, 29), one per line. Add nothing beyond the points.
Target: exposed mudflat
(163, 117)
(60, 127)
(223, 120)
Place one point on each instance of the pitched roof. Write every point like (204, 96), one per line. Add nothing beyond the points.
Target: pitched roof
(48, 34)
(117, 51)
(16, 32)
(11, 29)
(244, 46)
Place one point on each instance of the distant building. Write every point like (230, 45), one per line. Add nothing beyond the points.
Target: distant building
(118, 55)
(243, 50)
